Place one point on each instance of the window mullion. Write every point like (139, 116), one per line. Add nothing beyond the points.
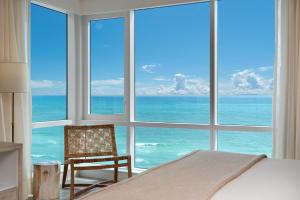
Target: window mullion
(71, 64)
(86, 67)
(213, 74)
(130, 83)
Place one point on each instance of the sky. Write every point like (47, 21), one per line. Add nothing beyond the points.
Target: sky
(48, 51)
(171, 50)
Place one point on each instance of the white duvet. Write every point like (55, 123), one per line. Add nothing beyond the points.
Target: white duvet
(267, 180)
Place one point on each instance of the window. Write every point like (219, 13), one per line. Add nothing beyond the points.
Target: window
(48, 82)
(172, 64)
(246, 47)
(107, 66)
(182, 100)
(182, 77)
(48, 64)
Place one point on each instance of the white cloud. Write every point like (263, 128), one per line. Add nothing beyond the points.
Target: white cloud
(146, 91)
(108, 87)
(149, 68)
(265, 68)
(161, 78)
(183, 85)
(179, 85)
(48, 87)
(249, 82)
(45, 84)
(99, 83)
(244, 82)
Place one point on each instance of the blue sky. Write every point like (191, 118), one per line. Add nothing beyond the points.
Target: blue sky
(171, 50)
(48, 51)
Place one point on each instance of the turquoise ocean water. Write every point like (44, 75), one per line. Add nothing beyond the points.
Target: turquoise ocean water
(157, 145)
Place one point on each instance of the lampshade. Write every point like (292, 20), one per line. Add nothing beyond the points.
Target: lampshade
(13, 78)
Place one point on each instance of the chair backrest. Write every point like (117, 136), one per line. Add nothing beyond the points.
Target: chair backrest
(89, 141)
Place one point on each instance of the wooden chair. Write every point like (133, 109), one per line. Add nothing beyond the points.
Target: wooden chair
(93, 145)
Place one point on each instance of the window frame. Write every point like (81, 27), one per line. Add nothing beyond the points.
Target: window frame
(70, 72)
(87, 67)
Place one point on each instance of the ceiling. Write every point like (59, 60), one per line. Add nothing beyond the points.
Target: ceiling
(88, 7)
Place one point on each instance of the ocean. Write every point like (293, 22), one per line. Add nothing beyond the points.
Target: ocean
(158, 145)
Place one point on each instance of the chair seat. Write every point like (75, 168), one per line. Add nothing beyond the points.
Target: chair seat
(96, 159)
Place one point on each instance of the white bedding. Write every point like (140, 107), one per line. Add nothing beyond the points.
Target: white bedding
(195, 176)
(267, 180)
(198, 176)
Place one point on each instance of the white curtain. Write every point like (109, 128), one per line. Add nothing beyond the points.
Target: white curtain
(286, 133)
(14, 48)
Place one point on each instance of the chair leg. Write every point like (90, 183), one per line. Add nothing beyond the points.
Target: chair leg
(65, 175)
(116, 171)
(129, 167)
(72, 192)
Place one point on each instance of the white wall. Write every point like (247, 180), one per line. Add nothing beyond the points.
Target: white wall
(69, 6)
(106, 6)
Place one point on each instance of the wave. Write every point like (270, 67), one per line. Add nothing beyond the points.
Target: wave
(52, 142)
(183, 153)
(45, 142)
(37, 156)
(139, 160)
(140, 144)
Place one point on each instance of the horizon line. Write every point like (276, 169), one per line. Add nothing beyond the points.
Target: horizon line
(243, 95)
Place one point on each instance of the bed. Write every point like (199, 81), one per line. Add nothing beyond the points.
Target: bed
(203, 175)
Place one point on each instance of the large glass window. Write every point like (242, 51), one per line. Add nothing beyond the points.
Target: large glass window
(48, 64)
(48, 81)
(246, 40)
(172, 55)
(172, 64)
(107, 66)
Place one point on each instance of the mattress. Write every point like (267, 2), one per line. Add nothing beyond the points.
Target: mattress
(197, 176)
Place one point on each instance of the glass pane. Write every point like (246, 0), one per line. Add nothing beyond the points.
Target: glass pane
(48, 108)
(172, 63)
(121, 139)
(245, 142)
(246, 40)
(48, 144)
(48, 64)
(155, 146)
(107, 66)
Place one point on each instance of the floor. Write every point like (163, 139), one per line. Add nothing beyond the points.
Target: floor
(65, 193)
